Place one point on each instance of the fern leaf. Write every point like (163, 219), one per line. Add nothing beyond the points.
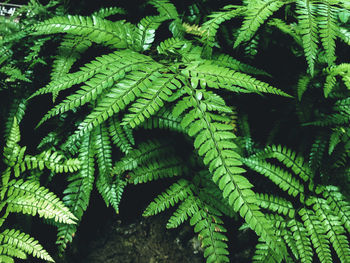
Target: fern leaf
(229, 62)
(214, 142)
(146, 152)
(302, 86)
(96, 29)
(77, 194)
(109, 11)
(185, 210)
(328, 29)
(119, 97)
(263, 254)
(99, 65)
(211, 26)
(145, 32)
(317, 152)
(119, 136)
(334, 229)
(163, 119)
(152, 99)
(258, 11)
(65, 234)
(69, 51)
(52, 161)
(209, 228)
(280, 177)
(11, 251)
(30, 198)
(276, 204)
(17, 110)
(165, 8)
(342, 33)
(338, 204)
(302, 241)
(219, 77)
(317, 235)
(25, 243)
(172, 45)
(178, 191)
(158, 169)
(96, 85)
(288, 157)
(308, 28)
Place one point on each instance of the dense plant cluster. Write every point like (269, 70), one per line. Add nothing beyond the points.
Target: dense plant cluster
(255, 93)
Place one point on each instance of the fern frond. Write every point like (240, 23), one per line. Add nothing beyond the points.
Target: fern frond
(30, 198)
(96, 29)
(119, 96)
(178, 191)
(158, 169)
(275, 204)
(145, 152)
(263, 254)
(100, 64)
(219, 77)
(302, 241)
(303, 84)
(317, 235)
(334, 230)
(12, 252)
(13, 74)
(152, 99)
(318, 149)
(288, 157)
(172, 45)
(338, 204)
(214, 142)
(165, 8)
(100, 82)
(211, 26)
(51, 160)
(17, 110)
(163, 119)
(306, 11)
(69, 51)
(118, 135)
(193, 29)
(229, 62)
(25, 243)
(328, 28)
(65, 234)
(258, 11)
(186, 210)
(109, 11)
(145, 33)
(277, 175)
(77, 193)
(343, 34)
(210, 228)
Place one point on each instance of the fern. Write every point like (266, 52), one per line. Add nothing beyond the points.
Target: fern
(317, 224)
(308, 29)
(257, 12)
(24, 243)
(328, 29)
(95, 29)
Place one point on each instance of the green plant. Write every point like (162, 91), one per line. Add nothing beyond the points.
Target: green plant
(170, 71)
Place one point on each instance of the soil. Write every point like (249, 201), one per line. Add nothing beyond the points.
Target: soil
(105, 237)
(146, 240)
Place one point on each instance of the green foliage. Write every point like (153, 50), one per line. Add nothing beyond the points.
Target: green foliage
(126, 83)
